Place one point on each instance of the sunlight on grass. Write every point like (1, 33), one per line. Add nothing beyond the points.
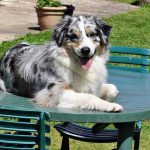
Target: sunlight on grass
(39, 38)
(125, 1)
(131, 29)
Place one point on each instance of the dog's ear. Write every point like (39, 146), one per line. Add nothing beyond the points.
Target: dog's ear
(103, 29)
(61, 30)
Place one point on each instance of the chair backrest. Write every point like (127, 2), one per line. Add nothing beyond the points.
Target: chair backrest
(23, 130)
(128, 58)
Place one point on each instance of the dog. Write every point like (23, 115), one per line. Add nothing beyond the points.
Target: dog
(68, 72)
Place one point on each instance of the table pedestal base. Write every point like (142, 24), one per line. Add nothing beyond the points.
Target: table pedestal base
(125, 136)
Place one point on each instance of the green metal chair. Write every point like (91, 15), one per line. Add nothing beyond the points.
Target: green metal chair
(124, 58)
(130, 59)
(22, 129)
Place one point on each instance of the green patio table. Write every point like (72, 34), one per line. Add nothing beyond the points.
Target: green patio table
(134, 96)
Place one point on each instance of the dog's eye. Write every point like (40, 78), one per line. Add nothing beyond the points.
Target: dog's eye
(73, 37)
(92, 34)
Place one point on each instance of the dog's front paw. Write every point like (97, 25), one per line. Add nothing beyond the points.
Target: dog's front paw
(108, 106)
(113, 92)
(113, 107)
(109, 92)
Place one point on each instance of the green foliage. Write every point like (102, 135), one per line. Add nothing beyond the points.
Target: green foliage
(48, 3)
(125, 1)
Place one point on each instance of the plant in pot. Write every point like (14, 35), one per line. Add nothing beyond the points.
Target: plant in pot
(50, 12)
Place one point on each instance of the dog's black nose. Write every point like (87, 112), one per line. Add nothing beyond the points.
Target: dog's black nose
(85, 51)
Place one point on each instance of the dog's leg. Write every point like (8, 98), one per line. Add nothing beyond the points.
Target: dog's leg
(108, 91)
(70, 99)
(56, 95)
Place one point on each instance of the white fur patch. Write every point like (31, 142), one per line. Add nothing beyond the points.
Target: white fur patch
(86, 41)
(2, 86)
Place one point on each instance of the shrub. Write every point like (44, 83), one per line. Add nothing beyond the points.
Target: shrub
(48, 3)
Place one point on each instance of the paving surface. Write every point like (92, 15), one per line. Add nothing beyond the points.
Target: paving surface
(18, 17)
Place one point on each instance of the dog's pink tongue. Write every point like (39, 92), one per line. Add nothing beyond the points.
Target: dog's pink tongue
(86, 63)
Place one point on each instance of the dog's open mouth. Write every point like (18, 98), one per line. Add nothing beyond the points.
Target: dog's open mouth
(86, 62)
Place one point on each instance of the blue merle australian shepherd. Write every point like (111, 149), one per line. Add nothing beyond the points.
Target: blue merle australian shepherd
(69, 72)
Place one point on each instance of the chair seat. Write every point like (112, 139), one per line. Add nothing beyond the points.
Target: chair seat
(85, 134)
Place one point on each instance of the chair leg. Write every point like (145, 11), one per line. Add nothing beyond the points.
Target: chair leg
(137, 141)
(65, 143)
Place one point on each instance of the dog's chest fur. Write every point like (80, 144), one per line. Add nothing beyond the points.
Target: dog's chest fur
(88, 81)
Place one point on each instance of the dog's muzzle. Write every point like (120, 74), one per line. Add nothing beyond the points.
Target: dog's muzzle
(85, 59)
(85, 51)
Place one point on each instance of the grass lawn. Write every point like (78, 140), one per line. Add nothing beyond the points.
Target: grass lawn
(125, 1)
(130, 29)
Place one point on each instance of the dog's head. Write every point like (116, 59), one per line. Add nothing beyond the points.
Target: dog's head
(85, 36)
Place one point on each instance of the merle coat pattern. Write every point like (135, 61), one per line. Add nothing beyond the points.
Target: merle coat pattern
(68, 72)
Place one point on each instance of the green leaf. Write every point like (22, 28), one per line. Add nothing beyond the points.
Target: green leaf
(48, 3)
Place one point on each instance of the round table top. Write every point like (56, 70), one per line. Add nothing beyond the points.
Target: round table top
(134, 96)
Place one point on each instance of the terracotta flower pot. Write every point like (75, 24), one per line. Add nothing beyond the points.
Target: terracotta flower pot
(48, 17)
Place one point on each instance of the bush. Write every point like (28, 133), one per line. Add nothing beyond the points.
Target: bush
(48, 3)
